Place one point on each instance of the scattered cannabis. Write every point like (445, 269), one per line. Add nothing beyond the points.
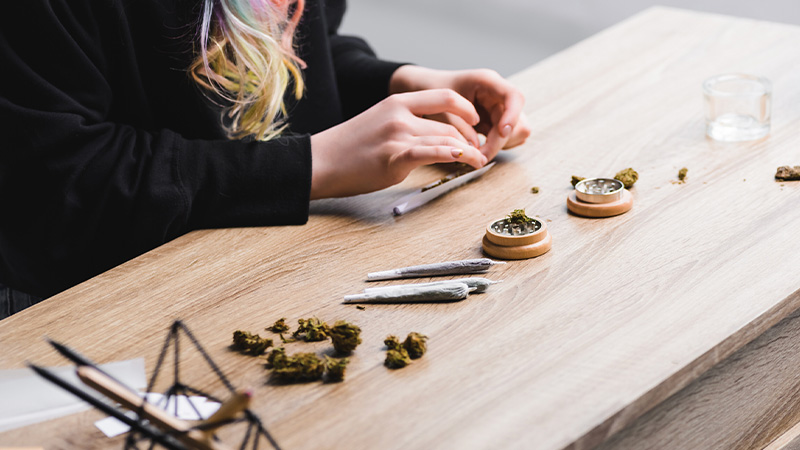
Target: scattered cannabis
(392, 343)
(397, 359)
(345, 337)
(336, 368)
(682, 175)
(535, 190)
(312, 330)
(298, 368)
(251, 344)
(786, 173)
(279, 327)
(415, 344)
(518, 217)
(361, 307)
(627, 176)
(576, 179)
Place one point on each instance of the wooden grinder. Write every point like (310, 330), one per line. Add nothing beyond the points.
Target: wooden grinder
(599, 197)
(505, 240)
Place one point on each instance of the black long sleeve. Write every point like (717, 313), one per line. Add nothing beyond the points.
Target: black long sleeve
(109, 150)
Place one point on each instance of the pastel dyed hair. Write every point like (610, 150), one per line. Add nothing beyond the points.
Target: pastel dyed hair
(247, 60)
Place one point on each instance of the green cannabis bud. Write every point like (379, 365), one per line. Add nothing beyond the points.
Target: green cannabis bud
(682, 175)
(416, 345)
(392, 343)
(535, 190)
(279, 326)
(336, 368)
(576, 179)
(627, 176)
(298, 368)
(345, 337)
(251, 344)
(518, 217)
(312, 330)
(277, 357)
(397, 359)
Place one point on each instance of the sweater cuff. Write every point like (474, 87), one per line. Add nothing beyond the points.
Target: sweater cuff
(235, 183)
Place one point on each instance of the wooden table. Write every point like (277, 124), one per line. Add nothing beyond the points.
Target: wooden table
(574, 345)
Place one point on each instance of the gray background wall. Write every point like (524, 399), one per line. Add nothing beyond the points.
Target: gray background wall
(509, 35)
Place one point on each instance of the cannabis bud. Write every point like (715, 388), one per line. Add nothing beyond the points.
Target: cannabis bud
(277, 357)
(682, 174)
(312, 329)
(397, 359)
(251, 344)
(297, 368)
(392, 343)
(627, 176)
(518, 217)
(336, 368)
(415, 344)
(345, 337)
(576, 179)
(279, 326)
(787, 173)
(535, 190)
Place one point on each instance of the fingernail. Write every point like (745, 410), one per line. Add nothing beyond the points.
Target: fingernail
(456, 152)
(505, 131)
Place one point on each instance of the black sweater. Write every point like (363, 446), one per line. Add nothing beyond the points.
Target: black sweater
(108, 149)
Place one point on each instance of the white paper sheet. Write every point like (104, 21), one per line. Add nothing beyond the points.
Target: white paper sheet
(28, 398)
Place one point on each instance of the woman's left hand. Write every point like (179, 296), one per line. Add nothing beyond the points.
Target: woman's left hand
(497, 101)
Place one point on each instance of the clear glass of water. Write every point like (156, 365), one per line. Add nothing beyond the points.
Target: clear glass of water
(737, 107)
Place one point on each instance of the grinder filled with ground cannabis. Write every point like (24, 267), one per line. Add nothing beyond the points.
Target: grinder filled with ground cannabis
(516, 236)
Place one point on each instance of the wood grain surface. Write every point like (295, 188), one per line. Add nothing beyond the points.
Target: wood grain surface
(573, 345)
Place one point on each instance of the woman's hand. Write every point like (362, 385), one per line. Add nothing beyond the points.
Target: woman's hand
(379, 147)
(497, 101)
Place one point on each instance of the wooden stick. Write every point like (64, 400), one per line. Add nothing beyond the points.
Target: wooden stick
(114, 390)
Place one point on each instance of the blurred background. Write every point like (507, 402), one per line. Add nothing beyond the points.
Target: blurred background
(510, 35)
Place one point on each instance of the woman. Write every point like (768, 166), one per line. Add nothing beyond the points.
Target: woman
(129, 123)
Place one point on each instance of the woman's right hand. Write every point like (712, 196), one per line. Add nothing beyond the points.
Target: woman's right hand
(379, 147)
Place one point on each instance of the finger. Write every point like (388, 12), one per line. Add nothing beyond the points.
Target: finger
(463, 127)
(494, 140)
(429, 127)
(446, 141)
(512, 110)
(418, 155)
(519, 134)
(435, 101)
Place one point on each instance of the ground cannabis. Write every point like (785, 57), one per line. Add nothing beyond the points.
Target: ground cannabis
(535, 190)
(311, 330)
(576, 179)
(297, 368)
(397, 359)
(518, 217)
(345, 337)
(279, 326)
(682, 175)
(392, 343)
(627, 176)
(336, 368)
(251, 344)
(416, 345)
(787, 173)
(363, 308)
